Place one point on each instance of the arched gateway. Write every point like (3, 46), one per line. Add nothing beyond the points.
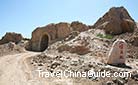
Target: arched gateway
(44, 42)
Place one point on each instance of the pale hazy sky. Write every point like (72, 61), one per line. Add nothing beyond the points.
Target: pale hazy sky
(23, 16)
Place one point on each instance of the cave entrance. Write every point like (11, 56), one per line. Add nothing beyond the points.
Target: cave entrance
(44, 42)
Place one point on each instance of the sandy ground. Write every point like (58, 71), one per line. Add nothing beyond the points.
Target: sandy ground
(14, 70)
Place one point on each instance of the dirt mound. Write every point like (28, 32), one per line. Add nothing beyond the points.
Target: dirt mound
(11, 37)
(11, 48)
(80, 50)
(78, 26)
(116, 21)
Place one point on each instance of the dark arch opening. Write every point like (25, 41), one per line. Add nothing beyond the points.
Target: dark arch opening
(44, 42)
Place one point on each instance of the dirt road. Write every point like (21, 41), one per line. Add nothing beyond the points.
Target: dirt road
(13, 71)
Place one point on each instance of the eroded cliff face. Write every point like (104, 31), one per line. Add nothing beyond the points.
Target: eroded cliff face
(11, 37)
(116, 21)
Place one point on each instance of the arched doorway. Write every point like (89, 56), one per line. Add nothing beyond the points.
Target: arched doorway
(44, 42)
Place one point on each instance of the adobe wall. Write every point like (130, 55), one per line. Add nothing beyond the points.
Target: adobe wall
(54, 32)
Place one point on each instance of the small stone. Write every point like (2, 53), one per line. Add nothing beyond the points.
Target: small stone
(90, 65)
(109, 83)
(119, 81)
(100, 64)
(54, 65)
(68, 57)
(135, 77)
(125, 79)
(40, 64)
(74, 63)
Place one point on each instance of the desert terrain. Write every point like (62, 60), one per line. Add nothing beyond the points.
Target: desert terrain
(83, 49)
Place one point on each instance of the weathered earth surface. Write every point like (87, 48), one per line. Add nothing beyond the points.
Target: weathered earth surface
(79, 51)
(59, 57)
(134, 40)
(11, 37)
(20, 69)
(116, 21)
(52, 33)
(11, 48)
(78, 26)
(13, 70)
